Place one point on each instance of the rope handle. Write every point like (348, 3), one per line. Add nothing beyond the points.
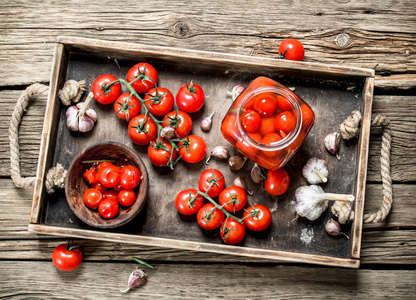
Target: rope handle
(349, 129)
(72, 90)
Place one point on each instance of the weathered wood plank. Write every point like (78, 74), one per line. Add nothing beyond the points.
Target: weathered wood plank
(178, 281)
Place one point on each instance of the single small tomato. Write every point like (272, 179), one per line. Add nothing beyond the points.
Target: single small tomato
(104, 91)
(130, 177)
(308, 116)
(190, 98)
(193, 150)
(257, 217)
(251, 121)
(109, 176)
(291, 49)
(159, 101)
(233, 198)
(108, 208)
(110, 194)
(282, 103)
(265, 105)
(209, 217)
(66, 257)
(144, 76)
(99, 187)
(267, 126)
(270, 139)
(161, 153)
(232, 232)
(188, 202)
(142, 130)
(285, 121)
(180, 121)
(91, 176)
(126, 197)
(212, 182)
(127, 106)
(92, 198)
(277, 182)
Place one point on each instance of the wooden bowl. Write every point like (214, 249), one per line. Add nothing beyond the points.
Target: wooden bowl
(76, 185)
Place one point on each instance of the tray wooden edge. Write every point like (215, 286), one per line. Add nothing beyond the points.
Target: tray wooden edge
(276, 256)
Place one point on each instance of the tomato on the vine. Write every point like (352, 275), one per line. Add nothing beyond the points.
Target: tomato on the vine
(144, 76)
(103, 93)
(190, 97)
(251, 120)
(126, 197)
(91, 175)
(235, 196)
(161, 153)
(291, 49)
(129, 177)
(108, 208)
(209, 217)
(265, 105)
(66, 257)
(285, 121)
(127, 106)
(183, 202)
(213, 178)
(232, 232)
(92, 198)
(142, 130)
(180, 121)
(159, 101)
(277, 182)
(193, 150)
(257, 217)
(109, 176)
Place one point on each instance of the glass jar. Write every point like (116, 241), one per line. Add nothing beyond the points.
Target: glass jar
(284, 118)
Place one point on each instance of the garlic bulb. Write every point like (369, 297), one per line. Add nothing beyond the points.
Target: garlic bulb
(219, 152)
(332, 141)
(315, 171)
(312, 201)
(206, 123)
(137, 278)
(236, 91)
(81, 117)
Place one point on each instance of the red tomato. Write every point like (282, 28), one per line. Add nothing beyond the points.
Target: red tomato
(130, 177)
(277, 182)
(183, 204)
(291, 49)
(144, 76)
(270, 139)
(126, 197)
(141, 130)
(285, 121)
(283, 103)
(180, 121)
(194, 151)
(99, 187)
(251, 121)
(257, 217)
(235, 196)
(118, 187)
(159, 101)
(209, 217)
(267, 126)
(108, 208)
(265, 105)
(110, 194)
(232, 232)
(91, 175)
(307, 115)
(214, 177)
(190, 98)
(109, 176)
(92, 198)
(161, 154)
(66, 257)
(103, 93)
(127, 106)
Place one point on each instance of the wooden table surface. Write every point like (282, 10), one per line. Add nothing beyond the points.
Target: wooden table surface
(372, 34)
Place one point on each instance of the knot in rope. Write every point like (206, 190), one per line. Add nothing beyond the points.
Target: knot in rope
(72, 91)
(351, 126)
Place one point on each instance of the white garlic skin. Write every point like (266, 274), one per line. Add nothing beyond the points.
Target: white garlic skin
(313, 164)
(218, 152)
(78, 119)
(72, 118)
(308, 205)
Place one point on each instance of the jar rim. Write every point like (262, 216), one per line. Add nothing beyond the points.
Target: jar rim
(283, 142)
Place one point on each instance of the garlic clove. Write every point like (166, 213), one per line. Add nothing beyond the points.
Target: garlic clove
(72, 118)
(90, 113)
(255, 174)
(137, 278)
(315, 170)
(239, 181)
(332, 142)
(168, 132)
(333, 228)
(236, 162)
(236, 91)
(206, 123)
(85, 124)
(219, 152)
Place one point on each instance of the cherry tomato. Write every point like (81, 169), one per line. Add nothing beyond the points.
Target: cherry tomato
(283, 103)
(285, 121)
(235, 196)
(144, 76)
(194, 151)
(108, 208)
(251, 121)
(183, 205)
(129, 177)
(161, 153)
(102, 166)
(270, 139)
(257, 217)
(291, 49)
(214, 177)
(265, 105)
(110, 194)
(126, 197)
(118, 187)
(277, 182)
(232, 232)
(141, 130)
(66, 257)
(159, 101)
(180, 121)
(104, 94)
(267, 126)
(92, 198)
(109, 176)
(307, 115)
(91, 175)
(190, 98)
(127, 106)
(99, 187)
(209, 217)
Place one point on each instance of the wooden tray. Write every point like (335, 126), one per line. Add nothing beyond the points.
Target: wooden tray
(332, 91)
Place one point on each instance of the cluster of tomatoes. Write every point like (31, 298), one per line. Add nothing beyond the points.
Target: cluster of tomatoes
(111, 186)
(223, 213)
(158, 102)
